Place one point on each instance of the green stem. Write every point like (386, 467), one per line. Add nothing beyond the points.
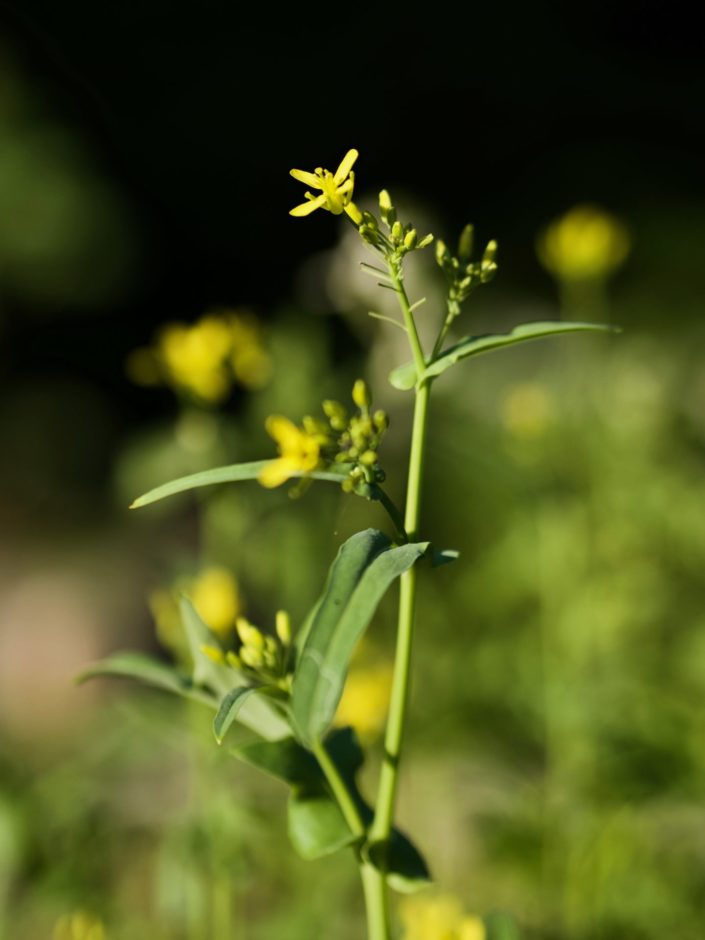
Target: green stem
(409, 322)
(373, 882)
(347, 804)
(386, 797)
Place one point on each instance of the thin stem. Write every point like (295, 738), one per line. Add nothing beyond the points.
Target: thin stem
(347, 804)
(414, 340)
(393, 513)
(373, 882)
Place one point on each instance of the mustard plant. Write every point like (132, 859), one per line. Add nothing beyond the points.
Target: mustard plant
(285, 683)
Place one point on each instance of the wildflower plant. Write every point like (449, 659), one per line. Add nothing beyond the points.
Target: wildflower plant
(286, 684)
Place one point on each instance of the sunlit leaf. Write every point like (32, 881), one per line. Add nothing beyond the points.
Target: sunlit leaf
(365, 567)
(150, 671)
(235, 473)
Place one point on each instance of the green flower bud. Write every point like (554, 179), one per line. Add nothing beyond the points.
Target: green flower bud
(441, 252)
(465, 243)
(410, 240)
(251, 657)
(490, 251)
(233, 660)
(213, 653)
(426, 240)
(347, 485)
(385, 201)
(361, 394)
(282, 625)
(381, 420)
(397, 232)
(369, 458)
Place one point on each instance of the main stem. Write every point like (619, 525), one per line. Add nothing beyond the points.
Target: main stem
(381, 828)
(386, 796)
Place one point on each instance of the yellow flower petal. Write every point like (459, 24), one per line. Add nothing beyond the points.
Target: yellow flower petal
(306, 208)
(310, 179)
(346, 164)
(284, 432)
(354, 213)
(276, 472)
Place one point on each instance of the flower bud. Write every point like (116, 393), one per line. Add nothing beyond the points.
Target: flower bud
(233, 660)
(369, 458)
(213, 653)
(397, 232)
(251, 657)
(282, 625)
(465, 243)
(410, 240)
(361, 394)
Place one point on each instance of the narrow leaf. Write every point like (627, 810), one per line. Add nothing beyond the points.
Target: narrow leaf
(234, 473)
(475, 345)
(361, 574)
(444, 556)
(404, 376)
(229, 708)
(152, 672)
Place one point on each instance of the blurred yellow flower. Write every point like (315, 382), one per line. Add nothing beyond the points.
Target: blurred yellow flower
(439, 917)
(204, 358)
(336, 189)
(214, 593)
(527, 410)
(79, 926)
(585, 244)
(299, 452)
(365, 700)
(216, 598)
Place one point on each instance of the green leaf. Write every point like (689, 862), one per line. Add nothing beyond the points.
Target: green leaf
(229, 708)
(152, 672)
(285, 759)
(257, 713)
(234, 473)
(316, 825)
(365, 567)
(404, 376)
(406, 868)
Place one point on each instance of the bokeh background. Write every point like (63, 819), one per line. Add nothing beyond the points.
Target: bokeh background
(556, 764)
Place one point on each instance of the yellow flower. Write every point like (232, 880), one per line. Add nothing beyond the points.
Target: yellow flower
(587, 243)
(194, 357)
(439, 917)
(215, 596)
(336, 189)
(299, 452)
(365, 700)
(79, 926)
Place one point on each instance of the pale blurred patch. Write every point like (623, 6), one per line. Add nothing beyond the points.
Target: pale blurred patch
(49, 630)
(527, 410)
(79, 926)
(365, 701)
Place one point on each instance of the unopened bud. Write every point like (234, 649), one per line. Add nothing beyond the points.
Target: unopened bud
(233, 660)
(251, 657)
(213, 653)
(369, 458)
(465, 243)
(282, 625)
(491, 251)
(361, 394)
(441, 252)
(250, 636)
(381, 420)
(385, 201)
(426, 240)
(397, 232)
(410, 240)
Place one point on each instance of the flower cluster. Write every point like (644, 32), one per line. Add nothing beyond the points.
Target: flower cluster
(398, 239)
(463, 274)
(347, 441)
(261, 658)
(206, 358)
